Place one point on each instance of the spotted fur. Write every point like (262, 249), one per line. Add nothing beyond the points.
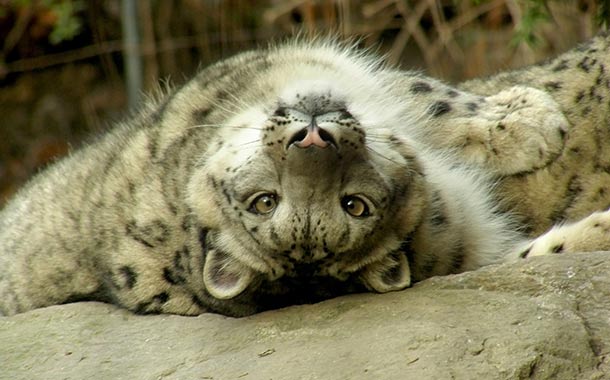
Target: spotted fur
(301, 172)
(570, 197)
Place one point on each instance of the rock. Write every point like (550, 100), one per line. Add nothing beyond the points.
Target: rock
(544, 318)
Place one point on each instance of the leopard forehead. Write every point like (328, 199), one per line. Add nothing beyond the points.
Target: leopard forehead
(338, 77)
(322, 94)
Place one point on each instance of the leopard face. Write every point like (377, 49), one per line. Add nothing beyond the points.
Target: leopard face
(303, 190)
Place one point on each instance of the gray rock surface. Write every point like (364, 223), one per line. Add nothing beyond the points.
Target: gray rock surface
(544, 318)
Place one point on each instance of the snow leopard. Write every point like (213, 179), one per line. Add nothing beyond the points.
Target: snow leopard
(311, 169)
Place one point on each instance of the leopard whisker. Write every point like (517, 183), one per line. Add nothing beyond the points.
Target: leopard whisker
(246, 144)
(223, 126)
(241, 102)
(370, 149)
(224, 108)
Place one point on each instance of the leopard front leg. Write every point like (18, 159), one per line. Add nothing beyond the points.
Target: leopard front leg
(517, 130)
(586, 235)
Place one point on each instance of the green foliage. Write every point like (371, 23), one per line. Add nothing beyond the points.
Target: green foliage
(68, 25)
(535, 12)
(603, 13)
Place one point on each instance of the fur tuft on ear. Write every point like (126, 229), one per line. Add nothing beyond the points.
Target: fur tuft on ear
(223, 276)
(389, 274)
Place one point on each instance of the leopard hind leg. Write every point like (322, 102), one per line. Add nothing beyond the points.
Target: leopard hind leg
(589, 234)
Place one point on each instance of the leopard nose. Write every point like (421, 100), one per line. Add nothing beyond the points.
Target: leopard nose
(312, 135)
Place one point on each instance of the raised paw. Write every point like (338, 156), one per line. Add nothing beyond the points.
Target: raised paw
(517, 130)
(587, 235)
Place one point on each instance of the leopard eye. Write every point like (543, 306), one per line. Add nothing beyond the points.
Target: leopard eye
(263, 204)
(355, 206)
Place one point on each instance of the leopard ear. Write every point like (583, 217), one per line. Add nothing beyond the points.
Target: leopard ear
(389, 274)
(223, 276)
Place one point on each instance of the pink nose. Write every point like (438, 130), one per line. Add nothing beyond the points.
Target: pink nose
(312, 138)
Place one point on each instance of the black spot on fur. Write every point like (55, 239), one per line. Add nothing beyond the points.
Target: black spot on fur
(439, 108)
(150, 235)
(225, 192)
(203, 240)
(131, 187)
(99, 294)
(405, 247)
(142, 308)
(153, 306)
(452, 93)
(275, 237)
(201, 114)
(281, 112)
(600, 77)
(552, 86)
(593, 94)
(186, 223)
(172, 277)
(345, 114)
(162, 297)
(420, 87)
(182, 260)
(562, 65)
(127, 276)
(579, 96)
(586, 63)
(575, 150)
(221, 95)
(525, 253)
(197, 301)
(438, 215)
(472, 107)
(110, 164)
(152, 145)
(429, 265)
(574, 187)
(458, 255)
(557, 249)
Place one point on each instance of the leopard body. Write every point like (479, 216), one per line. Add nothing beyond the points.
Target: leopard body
(309, 170)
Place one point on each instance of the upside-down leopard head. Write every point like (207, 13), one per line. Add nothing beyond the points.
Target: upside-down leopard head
(307, 185)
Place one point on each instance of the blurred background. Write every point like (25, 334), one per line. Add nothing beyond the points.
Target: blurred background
(66, 66)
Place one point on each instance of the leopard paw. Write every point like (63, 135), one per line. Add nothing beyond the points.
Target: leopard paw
(587, 235)
(517, 130)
